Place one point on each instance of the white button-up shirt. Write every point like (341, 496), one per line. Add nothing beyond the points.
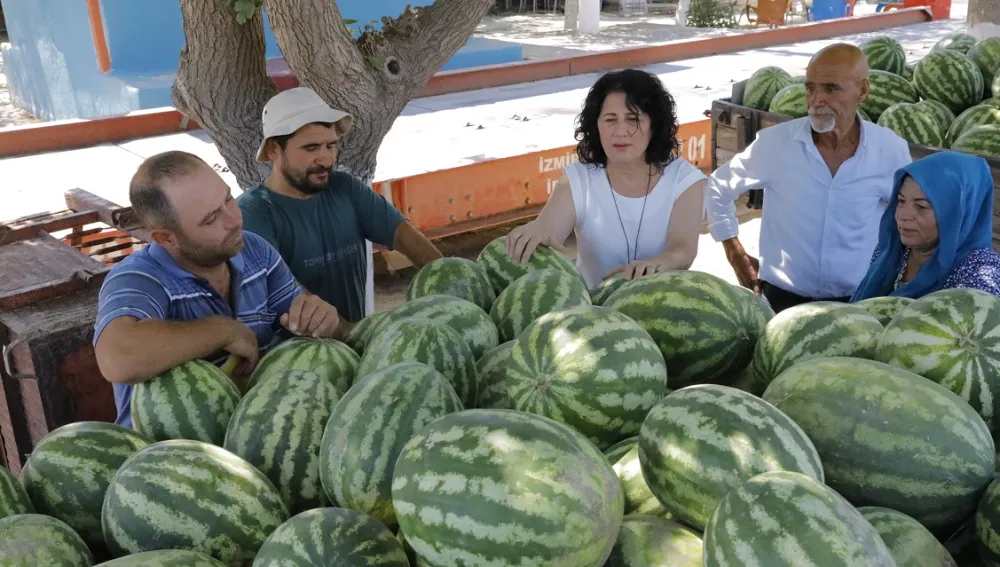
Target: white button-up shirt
(818, 231)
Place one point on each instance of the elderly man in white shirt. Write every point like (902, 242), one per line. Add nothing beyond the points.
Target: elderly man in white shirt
(826, 178)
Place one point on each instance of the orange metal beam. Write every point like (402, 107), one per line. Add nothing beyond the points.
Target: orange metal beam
(97, 32)
(55, 136)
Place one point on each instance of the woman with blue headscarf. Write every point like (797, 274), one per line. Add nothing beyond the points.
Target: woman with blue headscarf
(937, 231)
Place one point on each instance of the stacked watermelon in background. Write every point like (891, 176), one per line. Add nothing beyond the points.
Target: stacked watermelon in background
(670, 420)
(949, 99)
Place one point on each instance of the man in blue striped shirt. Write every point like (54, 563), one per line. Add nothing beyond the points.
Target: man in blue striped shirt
(202, 289)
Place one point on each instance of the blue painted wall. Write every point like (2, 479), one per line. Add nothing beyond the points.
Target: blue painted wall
(51, 63)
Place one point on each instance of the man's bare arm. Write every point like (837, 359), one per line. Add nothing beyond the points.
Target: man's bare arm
(414, 245)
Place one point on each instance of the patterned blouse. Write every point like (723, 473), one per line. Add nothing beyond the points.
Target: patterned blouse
(980, 270)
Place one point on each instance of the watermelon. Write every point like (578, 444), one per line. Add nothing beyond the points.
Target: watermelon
(533, 295)
(702, 441)
(368, 429)
(332, 360)
(589, 367)
(960, 42)
(799, 79)
(277, 427)
(907, 73)
(890, 438)
(763, 85)
(784, 518)
(885, 54)
(986, 55)
(331, 536)
(493, 378)
(909, 542)
(982, 141)
(471, 322)
(411, 555)
(887, 89)
(884, 308)
(603, 291)
(790, 101)
(995, 88)
(950, 337)
(191, 401)
(416, 339)
(648, 541)
(624, 458)
(978, 115)
(361, 334)
(987, 524)
(863, 115)
(914, 124)
(706, 328)
(35, 540)
(949, 77)
(944, 116)
(818, 329)
(502, 271)
(69, 470)
(502, 487)
(190, 495)
(165, 558)
(459, 277)
(13, 499)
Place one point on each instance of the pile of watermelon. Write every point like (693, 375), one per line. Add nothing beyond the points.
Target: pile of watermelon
(949, 99)
(505, 415)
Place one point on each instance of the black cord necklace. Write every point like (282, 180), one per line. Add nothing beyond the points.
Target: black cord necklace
(629, 257)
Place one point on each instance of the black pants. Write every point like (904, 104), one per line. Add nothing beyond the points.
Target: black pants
(781, 299)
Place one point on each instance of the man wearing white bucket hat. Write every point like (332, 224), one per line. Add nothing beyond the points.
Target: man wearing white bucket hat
(320, 220)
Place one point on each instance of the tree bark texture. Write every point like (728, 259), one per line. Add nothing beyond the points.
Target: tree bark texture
(222, 82)
(984, 17)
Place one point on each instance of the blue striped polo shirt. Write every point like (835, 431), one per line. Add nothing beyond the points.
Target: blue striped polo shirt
(149, 284)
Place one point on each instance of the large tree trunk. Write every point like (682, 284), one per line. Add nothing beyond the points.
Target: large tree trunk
(984, 18)
(372, 77)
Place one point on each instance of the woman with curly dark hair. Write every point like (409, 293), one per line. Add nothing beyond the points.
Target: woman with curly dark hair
(634, 205)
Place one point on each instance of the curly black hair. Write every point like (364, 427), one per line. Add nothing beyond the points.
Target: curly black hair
(644, 93)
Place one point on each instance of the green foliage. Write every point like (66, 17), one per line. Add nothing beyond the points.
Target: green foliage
(711, 14)
(245, 9)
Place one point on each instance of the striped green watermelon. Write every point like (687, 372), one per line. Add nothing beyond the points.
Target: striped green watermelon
(986, 55)
(819, 329)
(589, 367)
(799, 79)
(784, 518)
(890, 438)
(465, 317)
(533, 295)
(277, 427)
(35, 540)
(165, 558)
(706, 328)
(333, 360)
(648, 541)
(13, 499)
(455, 276)
(950, 337)
(884, 308)
(624, 458)
(887, 89)
(978, 115)
(502, 487)
(987, 524)
(763, 85)
(909, 542)
(361, 334)
(411, 556)
(949, 77)
(603, 291)
(368, 429)
(502, 271)
(69, 470)
(416, 339)
(186, 494)
(790, 101)
(885, 54)
(334, 537)
(995, 87)
(960, 42)
(907, 73)
(944, 116)
(702, 441)
(192, 401)
(982, 141)
(914, 124)
(493, 378)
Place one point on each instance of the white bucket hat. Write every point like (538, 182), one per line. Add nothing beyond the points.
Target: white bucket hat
(290, 110)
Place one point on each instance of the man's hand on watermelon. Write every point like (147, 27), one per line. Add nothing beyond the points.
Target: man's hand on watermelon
(310, 316)
(242, 345)
(747, 267)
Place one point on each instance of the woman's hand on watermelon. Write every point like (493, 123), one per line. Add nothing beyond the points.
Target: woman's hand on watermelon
(522, 241)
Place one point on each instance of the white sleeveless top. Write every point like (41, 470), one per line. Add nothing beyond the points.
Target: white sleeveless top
(601, 243)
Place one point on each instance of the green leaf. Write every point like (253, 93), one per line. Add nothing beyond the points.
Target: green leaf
(375, 62)
(349, 21)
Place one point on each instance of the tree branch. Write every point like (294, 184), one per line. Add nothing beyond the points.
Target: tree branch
(441, 30)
